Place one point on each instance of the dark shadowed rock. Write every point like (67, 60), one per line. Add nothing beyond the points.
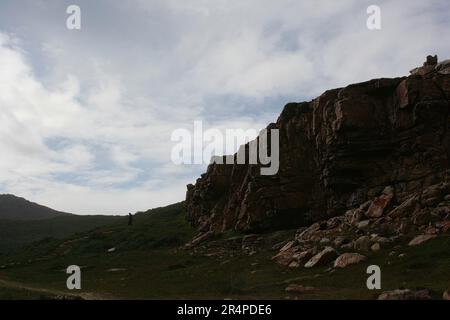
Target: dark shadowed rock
(421, 239)
(322, 258)
(446, 295)
(298, 288)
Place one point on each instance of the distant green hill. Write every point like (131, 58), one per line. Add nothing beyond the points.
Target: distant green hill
(16, 208)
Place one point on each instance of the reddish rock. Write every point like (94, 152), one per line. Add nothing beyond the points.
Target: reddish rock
(378, 205)
(322, 258)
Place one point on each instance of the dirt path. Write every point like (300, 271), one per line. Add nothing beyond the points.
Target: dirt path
(52, 292)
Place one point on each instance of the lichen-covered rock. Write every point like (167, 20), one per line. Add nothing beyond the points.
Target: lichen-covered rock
(347, 259)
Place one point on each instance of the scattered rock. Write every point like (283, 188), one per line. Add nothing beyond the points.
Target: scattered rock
(347, 259)
(304, 256)
(116, 270)
(444, 225)
(406, 208)
(200, 238)
(285, 257)
(340, 240)
(287, 246)
(421, 239)
(298, 288)
(362, 243)
(363, 224)
(375, 247)
(354, 216)
(405, 294)
(446, 295)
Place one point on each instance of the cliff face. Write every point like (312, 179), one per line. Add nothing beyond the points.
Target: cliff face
(336, 152)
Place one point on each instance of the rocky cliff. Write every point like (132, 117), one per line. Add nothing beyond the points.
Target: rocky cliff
(379, 142)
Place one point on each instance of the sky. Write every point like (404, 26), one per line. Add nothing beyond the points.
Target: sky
(86, 116)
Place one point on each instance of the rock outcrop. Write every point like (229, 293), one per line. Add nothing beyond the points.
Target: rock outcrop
(356, 157)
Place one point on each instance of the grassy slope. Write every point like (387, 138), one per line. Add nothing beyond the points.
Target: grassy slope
(156, 268)
(14, 234)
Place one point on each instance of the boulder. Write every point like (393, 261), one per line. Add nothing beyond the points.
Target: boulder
(322, 258)
(347, 259)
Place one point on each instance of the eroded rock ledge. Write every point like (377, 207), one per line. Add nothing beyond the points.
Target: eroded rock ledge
(371, 145)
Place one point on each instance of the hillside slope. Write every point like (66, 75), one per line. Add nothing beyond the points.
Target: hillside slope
(23, 222)
(14, 234)
(16, 208)
(147, 261)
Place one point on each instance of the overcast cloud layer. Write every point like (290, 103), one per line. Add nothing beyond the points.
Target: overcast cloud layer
(86, 116)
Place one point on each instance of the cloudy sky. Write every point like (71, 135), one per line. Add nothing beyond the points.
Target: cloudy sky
(86, 115)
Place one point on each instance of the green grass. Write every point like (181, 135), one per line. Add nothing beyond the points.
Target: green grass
(14, 234)
(156, 267)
